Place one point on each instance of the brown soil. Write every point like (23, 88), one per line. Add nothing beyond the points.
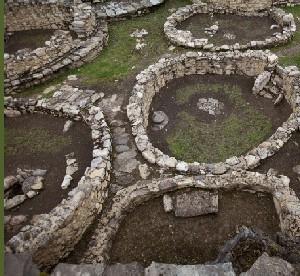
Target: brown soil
(240, 26)
(284, 161)
(55, 164)
(166, 101)
(31, 39)
(150, 234)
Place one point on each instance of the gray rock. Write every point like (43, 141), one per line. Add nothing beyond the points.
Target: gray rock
(159, 117)
(66, 182)
(158, 269)
(168, 203)
(196, 203)
(17, 220)
(271, 266)
(144, 171)
(39, 172)
(261, 81)
(296, 169)
(67, 126)
(19, 265)
(131, 269)
(13, 202)
(78, 270)
(32, 183)
(9, 181)
(121, 148)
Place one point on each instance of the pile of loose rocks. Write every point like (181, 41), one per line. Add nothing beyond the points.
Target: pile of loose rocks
(186, 38)
(52, 236)
(30, 182)
(28, 67)
(272, 80)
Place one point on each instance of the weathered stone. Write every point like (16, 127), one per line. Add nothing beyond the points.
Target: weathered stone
(158, 269)
(271, 266)
(32, 183)
(144, 171)
(196, 203)
(296, 169)
(168, 203)
(19, 265)
(9, 181)
(66, 182)
(67, 126)
(82, 269)
(261, 81)
(13, 202)
(131, 269)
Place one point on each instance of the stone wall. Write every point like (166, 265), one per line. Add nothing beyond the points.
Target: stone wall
(240, 5)
(53, 236)
(186, 38)
(25, 68)
(286, 202)
(21, 16)
(249, 63)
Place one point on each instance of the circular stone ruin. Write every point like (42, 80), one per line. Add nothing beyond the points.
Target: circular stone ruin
(213, 23)
(127, 200)
(52, 236)
(271, 81)
(76, 38)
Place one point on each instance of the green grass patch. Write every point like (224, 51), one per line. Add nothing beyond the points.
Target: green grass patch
(119, 58)
(34, 140)
(192, 140)
(293, 56)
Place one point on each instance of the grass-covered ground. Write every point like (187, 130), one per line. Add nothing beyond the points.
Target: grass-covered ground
(194, 140)
(33, 140)
(290, 54)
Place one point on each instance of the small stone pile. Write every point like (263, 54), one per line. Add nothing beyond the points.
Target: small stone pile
(140, 41)
(30, 182)
(210, 105)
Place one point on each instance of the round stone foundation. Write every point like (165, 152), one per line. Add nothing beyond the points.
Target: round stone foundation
(270, 78)
(185, 38)
(63, 50)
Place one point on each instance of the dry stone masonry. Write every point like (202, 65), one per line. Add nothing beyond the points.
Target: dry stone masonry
(26, 67)
(283, 82)
(52, 236)
(186, 38)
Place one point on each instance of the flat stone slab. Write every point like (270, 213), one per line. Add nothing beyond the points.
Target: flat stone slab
(195, 203)
(158, 269)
